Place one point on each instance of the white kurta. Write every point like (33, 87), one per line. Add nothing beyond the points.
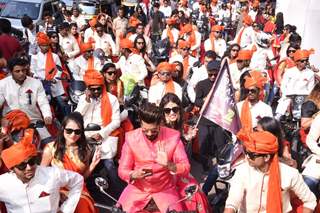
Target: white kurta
(69, 45)
(80, 21)
(220, 46)
(28, 197)
(157, 91)
(247, 38)
(80, 66)
(106, 43)
(37, 67)
(258, 111)
(260, 57)
(175, 34)
(87, 34)
(15, 96)
(249, 186)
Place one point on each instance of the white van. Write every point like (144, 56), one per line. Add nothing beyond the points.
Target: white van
(16, 9)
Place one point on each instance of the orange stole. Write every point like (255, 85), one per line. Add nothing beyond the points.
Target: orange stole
(86, 202)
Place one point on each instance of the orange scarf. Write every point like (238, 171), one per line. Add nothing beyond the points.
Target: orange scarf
(240, 35)
(90, 63)
(106, 109)
(192, 42)
(170, 87)
(212, 39)
(50, 67)
(245, 117)
(170, 36)
(185, 67)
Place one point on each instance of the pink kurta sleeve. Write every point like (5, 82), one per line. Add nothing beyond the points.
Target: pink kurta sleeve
(181, 160)
(126, 163)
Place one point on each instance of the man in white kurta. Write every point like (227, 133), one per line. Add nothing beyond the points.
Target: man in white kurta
(215, 42)
(246, 35)
(68, 43)
(81, 66)
(104, 41)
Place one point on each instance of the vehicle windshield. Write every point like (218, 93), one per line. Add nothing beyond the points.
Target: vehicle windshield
(17, 9)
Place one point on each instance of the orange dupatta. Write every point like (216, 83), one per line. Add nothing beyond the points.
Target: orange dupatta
(240, 35)
(50, 67)
(90, 63)
(170, 87)
(185, 67)
(170, 36)
(212, 41)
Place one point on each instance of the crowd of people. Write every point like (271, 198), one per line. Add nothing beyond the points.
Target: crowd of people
(145, 143)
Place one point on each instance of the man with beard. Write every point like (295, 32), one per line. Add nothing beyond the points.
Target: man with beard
(151, 158)
(31, 188)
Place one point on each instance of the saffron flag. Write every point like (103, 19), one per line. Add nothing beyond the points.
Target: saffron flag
(220, 106)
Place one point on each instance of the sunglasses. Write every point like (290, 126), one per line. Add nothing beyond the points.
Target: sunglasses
(31, 162)
(217, 31)
(291, 51)
(70, 131)
(252, 155)
(140, 42)
(304, 61)
(98, 89)
(165, 73)
(211, 74)
(111, 73)
(235, 50)
(253, 91)
(173, 109)
(185, 49)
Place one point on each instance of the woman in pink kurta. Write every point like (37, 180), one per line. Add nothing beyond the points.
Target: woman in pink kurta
(140, 153)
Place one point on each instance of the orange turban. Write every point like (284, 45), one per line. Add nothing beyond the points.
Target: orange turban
(266, 143)
(93, 22)
(126, 43)
(255, 4)
(20, 151)
(166, 66)
(93, 77)
(255, 79)
(184, 2)
(18, 119)
(247, 20)
(183, 44)
(244, 55)
(85, 47)
(216, 28)
(43, 39)
(302, 54)
(133, 21)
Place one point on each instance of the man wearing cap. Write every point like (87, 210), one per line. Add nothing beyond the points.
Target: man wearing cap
(298, 80)
(132, 63)
(165, 84)
(210, 134)
(100, 107)
(86, 61)
(215, 42)
(245, 37)
(262, 183)
(252, 109)
(32, 188)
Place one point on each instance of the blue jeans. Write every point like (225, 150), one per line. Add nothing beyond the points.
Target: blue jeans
(312, 184)
(211, 180)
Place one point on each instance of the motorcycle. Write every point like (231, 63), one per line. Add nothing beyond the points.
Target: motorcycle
(160, 51)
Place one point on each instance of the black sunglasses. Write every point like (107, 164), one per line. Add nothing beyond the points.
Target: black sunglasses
(252, 155)
(304, 61)
(111, 73)
(253, 91)
(165, 73)
(235, 50)
(292, 51)
(98, 89)
(173, 109)
(31, 162)
(70, 131)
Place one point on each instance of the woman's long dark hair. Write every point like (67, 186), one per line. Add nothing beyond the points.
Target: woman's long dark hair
(144, 49)
(60, 142)
(227, 53)
(273, 126)
(170, 97)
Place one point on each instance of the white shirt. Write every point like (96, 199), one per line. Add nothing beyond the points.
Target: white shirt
(175, 34)
(166, 10)
(253, 14)
(30, 36)
(26, 197)
(91, 113)
(15, 96)
(133, 66)
(247, 37)
(235, 74)
(249, 186)
(260, 57)
(105, 42)
(258, 111)
(69, 45)
(147, 39)
(157, 91)
(80, 66)
(80, 20)
(296, 82)
(220, 46)
(37, 67)
(87, 34)
(198, 75)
